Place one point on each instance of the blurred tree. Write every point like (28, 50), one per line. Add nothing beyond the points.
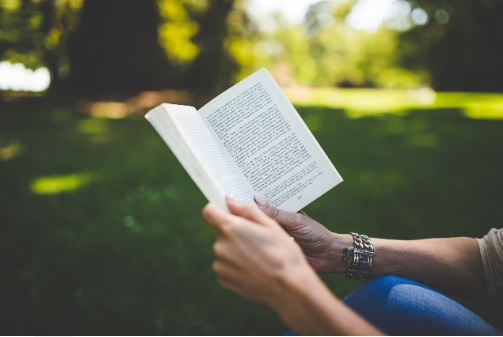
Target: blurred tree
(35, 33)
(158, 43)
(288, 53)
(176, 34)
(225, 40)
(348, 57)
(20, 36)
(307, 53)
(325, 51)
(60, 20)
(333, 44)
(457, 42)
(116, 48)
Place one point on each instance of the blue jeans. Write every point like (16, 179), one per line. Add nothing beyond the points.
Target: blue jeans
(399, 306)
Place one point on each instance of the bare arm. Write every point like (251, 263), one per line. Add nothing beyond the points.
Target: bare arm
(311, 309)
(258, 260)
(451, 265)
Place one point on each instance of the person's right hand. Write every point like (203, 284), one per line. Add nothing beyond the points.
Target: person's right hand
(324, 249)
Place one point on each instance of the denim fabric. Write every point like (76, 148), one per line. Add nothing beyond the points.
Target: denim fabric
(399, 306)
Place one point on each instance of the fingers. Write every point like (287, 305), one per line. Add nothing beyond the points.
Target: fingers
(250, 212)
(215, 216)
(286, 219)
(262, 215)
(240, 212)
(224, 252)
(232, 280)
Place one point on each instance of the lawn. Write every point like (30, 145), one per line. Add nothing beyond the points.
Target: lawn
(101, 231)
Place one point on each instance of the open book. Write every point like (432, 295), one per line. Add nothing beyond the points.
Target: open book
(248, 140)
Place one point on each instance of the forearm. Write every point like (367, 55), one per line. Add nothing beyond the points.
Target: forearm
(451, 265)
(309, 308)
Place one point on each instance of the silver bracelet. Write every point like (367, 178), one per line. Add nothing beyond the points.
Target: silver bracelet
(363, 257)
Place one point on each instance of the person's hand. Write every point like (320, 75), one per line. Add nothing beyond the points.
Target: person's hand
(324, 249)
(254, 256)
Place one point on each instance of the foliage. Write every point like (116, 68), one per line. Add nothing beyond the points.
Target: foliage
(106, 47)
(447, 44)
(225, 37)
(101, 229)
(114, 47)
(459, 44)
(176, 32)
(122, 55)
(36, 33)
(326, 52)
(287, 47)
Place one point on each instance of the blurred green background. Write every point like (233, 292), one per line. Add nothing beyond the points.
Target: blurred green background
(100, 227)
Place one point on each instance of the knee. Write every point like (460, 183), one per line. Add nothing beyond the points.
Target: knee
(376, 290)
(386, 282)
(400, 306)
(380, 300)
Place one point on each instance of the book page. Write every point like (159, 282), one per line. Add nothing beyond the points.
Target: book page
(185, 132)
(269, 143)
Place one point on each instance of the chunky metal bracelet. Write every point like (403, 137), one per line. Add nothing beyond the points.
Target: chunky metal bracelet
(363, 257)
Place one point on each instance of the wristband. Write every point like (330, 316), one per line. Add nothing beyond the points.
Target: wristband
(363, 257)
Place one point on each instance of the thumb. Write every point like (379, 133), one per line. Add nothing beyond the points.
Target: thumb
(289, 220)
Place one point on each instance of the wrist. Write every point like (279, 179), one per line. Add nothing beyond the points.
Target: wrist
(300, 297)
(362, 257)
(293, 284)
(308, 307)
(340, 253)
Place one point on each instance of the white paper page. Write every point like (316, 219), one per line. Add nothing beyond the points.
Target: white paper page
(270, 143)
(184, 131)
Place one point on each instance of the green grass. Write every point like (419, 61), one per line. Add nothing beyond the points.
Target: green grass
(371, 102)
(101, 230)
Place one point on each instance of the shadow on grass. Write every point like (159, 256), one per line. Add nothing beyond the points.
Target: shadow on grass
(123, 250)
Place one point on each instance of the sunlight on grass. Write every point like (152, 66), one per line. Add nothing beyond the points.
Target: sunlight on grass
(96, 129)
(484, 110)
(368, 102)
(92, 126)
(60, 184)
(11, 150)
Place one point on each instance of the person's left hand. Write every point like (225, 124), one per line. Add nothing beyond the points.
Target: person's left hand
(255, 257)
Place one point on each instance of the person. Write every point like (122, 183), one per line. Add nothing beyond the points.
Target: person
(272, 257)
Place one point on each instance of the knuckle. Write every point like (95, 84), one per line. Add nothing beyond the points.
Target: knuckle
(216, 267)
(218, 249)
(273, 212)
(224, 283)
(227, 229)
(298, 218)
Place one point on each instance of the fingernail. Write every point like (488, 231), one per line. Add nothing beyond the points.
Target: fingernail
(230, 197)
(260, 200)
